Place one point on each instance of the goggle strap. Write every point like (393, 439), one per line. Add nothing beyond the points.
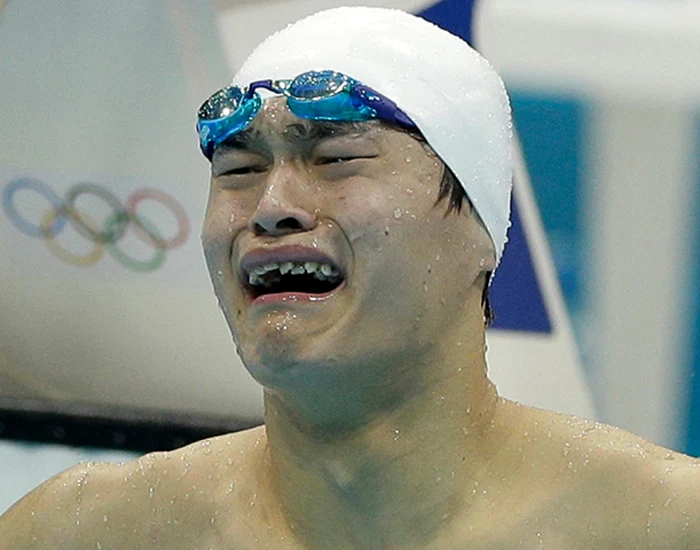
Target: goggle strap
(403, 119)
(385, 109)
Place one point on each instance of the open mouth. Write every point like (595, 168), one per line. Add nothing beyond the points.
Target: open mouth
(303, 277)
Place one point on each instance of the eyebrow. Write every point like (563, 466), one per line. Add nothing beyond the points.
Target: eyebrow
(297, 134)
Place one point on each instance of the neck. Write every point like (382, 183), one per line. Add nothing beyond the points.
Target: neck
(397, 469)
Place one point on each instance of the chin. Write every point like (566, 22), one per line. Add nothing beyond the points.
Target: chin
(269, 356)
(281, 361)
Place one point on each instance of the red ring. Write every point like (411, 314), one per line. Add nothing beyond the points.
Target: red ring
(171, 204)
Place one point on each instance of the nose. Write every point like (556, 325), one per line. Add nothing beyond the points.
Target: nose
(278, 212)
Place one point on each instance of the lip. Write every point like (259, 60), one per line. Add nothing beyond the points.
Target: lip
(280, 254)
(294, 297)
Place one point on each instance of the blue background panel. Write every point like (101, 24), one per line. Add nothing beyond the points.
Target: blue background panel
(552, 132)
(516, 295)
(455, 16)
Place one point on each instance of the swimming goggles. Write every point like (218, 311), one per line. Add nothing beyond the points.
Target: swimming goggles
(315, 95)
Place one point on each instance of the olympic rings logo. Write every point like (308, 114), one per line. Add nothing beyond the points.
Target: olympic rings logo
(107, 237)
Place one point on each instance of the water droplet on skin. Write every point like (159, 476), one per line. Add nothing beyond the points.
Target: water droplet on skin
(232, 218)
(567, 449)
(397, 213)
(425, 287)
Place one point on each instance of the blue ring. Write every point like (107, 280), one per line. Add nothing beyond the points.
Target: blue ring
(20, 223)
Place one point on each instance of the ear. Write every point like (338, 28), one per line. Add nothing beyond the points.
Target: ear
(489, 261)
(484, 247)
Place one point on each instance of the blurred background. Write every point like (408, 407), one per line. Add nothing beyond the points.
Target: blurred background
(111, 342)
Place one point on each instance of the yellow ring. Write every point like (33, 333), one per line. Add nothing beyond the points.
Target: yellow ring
(61, 253)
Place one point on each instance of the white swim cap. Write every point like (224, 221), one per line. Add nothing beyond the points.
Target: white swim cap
(452, 94)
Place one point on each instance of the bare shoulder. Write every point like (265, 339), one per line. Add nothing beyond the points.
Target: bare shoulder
(620, 489)
(53, 512)
(167, 498)
(672, 504)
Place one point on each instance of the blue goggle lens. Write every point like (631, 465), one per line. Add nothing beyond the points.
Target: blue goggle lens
(223, 103)
(316, 85)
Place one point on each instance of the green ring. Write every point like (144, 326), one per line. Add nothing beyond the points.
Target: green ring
(127, 261)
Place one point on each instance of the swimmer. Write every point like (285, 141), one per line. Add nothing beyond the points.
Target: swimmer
(358, 209)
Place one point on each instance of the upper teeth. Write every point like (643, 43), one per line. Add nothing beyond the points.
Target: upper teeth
(322, 272)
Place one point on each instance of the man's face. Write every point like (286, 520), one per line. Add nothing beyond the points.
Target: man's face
(326, 249)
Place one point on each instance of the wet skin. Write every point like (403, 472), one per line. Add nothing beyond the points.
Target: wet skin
(382, 429)
(408, 270)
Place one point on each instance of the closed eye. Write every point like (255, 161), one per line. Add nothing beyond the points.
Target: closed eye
(242, 171)
(341, 159)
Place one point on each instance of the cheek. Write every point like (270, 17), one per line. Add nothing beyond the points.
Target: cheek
(389, 235)
(214, 238)
(366, 221)
(225, 215)
(383, 207)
